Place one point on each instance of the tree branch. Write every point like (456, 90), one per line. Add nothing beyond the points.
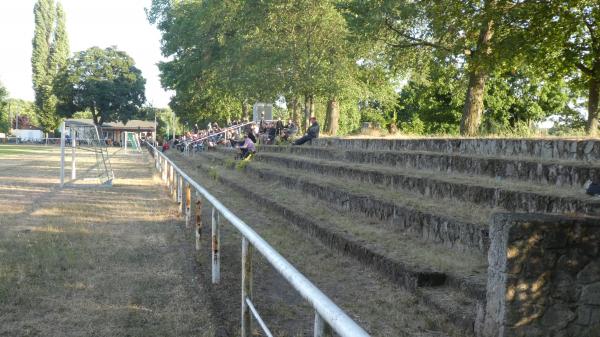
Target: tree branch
(590, 27)
(584, 69)
(416, 41)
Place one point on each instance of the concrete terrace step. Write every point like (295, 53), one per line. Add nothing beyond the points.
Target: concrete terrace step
(484, 191)
(461, 226)
(550, 148)
(541, 171)
(451, 282)
(379, 305)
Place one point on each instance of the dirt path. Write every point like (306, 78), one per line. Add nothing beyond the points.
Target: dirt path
(94, 261)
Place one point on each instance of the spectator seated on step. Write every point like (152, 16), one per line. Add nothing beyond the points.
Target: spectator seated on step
(165, 146)
(290, 130)
(592, 188)
(311, 133)
(247, 148)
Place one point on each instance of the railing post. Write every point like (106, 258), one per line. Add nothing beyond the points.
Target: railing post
(62, 154)
(171, 179)
(246, 287)
(188, 205)
(73, 156)
(322, 329)
(198, 227)
(180, 193)
(216, 260)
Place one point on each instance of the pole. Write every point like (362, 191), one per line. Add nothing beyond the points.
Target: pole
(17, 126)
(73, 159)
(322, 329)
(62, 154)
(216, 254)
(246, 287)
(174, 126)
(198, 227)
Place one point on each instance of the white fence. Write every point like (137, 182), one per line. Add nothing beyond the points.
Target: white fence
(328, 316)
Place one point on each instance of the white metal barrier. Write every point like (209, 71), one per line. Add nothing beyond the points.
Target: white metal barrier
(189, 145)
(328, 316)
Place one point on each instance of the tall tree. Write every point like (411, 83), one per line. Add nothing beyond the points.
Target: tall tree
(102, 81)
(412, 32)
(50, 52)
(4, 122)
(564, 36)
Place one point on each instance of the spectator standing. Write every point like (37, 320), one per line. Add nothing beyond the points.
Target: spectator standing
(279, 126)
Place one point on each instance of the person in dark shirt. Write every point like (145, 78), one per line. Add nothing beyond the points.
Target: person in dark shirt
(311, 133)
(279, 127)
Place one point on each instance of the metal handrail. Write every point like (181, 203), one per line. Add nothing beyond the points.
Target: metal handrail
(195, 141)
(327, 314)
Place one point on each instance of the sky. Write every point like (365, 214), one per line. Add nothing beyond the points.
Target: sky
(101, 23)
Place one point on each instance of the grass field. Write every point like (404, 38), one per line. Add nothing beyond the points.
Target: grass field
(93, 261)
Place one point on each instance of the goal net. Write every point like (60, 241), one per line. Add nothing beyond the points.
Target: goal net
(90, 161)
(132, 142)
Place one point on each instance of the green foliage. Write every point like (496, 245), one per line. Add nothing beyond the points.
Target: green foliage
(241, 165)
(4, 123)
(224, 53)
(213, 173)
(49, 55)
(519, 99)
(23, 108)
(393, 62)
(102, 81)
(229, 163)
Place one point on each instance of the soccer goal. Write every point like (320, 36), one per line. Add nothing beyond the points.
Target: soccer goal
(132, 142)
(90, 162)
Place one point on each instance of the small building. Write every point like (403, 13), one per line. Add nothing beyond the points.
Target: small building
(114, 132)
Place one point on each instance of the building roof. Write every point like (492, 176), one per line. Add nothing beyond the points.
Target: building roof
(132, 124)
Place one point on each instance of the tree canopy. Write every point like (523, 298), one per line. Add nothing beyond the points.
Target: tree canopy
(468, 67)
(102, 81)
(49, 55)
(4, 122)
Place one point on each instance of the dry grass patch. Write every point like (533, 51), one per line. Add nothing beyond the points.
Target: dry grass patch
(93, 261)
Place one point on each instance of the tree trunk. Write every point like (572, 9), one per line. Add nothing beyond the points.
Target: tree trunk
(333, 116)
(295, 114)
(245, 109)
(306, 112)
(594, 93)
(473, 108)
(312, 105)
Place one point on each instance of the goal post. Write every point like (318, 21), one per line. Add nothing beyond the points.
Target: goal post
(131, 142)
(88, 151)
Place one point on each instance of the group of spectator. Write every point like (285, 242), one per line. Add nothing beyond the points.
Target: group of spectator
(243, 135)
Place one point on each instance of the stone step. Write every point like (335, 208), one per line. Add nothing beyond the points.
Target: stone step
(379, 305)
(544, 172)
(478, 190)
(451, 282)
(461, 226)
(540, 148)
